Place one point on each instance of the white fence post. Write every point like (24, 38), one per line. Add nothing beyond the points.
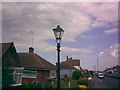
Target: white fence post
(69, 84)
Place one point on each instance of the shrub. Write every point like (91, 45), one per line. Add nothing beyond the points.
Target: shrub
(48, 86)
(91, 73)
(29, 84)
(76, 75)
(87, 74)
(65, 76)
(65, 79)
(75, 86)
(83, 82)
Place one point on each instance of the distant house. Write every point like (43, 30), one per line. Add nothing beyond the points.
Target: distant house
(11, 68)
(69, 66)
(36, 68)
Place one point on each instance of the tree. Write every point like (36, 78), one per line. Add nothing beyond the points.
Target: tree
(87, 74)
(91, 73)
(76, 74)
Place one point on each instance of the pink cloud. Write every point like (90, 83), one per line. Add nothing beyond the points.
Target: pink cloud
(111, 51)
(111, 31)
(101, 53)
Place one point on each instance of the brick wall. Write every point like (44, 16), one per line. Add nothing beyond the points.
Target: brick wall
(28, 79)
(42, 75)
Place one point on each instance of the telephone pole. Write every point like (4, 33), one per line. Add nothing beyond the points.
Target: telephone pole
(97, 65)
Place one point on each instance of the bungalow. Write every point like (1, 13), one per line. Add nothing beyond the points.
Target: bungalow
(36, 68)
(69, 66)
(11, 68)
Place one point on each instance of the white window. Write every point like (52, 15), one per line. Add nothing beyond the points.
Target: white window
(29, 74)
(52, 74)
(17, 76)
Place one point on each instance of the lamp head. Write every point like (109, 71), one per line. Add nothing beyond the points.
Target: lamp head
(58, 32)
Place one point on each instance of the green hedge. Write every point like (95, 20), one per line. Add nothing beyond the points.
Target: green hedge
(76, 75)
(83, 82)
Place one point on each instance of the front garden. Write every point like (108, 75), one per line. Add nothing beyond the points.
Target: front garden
(78, 80)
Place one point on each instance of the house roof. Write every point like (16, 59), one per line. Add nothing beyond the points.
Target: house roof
(9, 55)
(73, 62)
(70, 63)
(5, 46)
(32, 60)
(66, 65)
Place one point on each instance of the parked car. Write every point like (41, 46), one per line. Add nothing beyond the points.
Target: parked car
(100, 75)
(117, 76)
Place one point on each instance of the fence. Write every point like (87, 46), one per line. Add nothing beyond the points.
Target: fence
(64, 84)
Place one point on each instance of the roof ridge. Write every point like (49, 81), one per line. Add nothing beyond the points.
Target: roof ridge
(37, 59)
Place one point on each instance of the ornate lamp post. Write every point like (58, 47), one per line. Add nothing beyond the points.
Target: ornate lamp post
(58, 32)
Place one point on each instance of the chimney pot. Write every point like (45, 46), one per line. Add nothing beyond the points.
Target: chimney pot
(31, 50)
(67, 57)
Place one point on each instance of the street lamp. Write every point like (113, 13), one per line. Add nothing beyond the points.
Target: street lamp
(58, 32)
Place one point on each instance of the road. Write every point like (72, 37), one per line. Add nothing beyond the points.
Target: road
(106, 82)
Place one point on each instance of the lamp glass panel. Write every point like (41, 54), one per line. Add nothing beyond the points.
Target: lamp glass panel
(57, 35)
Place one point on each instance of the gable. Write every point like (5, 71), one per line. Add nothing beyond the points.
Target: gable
(70, 64)
(9, 55)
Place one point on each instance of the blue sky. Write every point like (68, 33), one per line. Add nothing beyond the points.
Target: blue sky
(90, 30)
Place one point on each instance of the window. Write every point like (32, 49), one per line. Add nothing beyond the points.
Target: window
(29, 74)
(17, 76)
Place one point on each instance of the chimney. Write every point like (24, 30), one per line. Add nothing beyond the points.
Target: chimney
(31, 50)
(67, 58)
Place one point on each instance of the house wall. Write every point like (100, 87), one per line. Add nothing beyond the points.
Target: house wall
(67, 72)
(42, 75)
(28, 79)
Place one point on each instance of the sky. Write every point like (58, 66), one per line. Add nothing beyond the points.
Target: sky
(90, 30)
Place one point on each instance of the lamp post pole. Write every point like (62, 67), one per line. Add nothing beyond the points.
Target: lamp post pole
(58, 32)
(58, 70)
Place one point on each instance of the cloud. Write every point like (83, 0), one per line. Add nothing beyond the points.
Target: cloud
(75, 18)
(39, 46)
(102, 13)
(108, 57)
(101, 53)
(110, 51)
(76, 56)
(112, 31)
(114, 53)
(72, 50)
(61, 1)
